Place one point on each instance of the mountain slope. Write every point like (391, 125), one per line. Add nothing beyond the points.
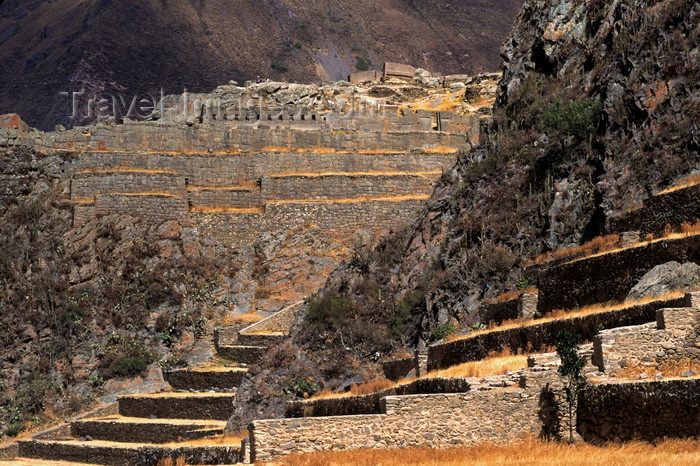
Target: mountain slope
(597, 110)
(141, 45)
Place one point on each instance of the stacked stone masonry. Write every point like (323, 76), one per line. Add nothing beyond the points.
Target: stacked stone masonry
(438, 421)
(674, 336)
(236, 179)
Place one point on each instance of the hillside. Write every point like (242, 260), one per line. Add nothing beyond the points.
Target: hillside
(594, 114)
(140, 46)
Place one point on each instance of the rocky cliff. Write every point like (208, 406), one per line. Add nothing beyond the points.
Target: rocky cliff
(597, 109)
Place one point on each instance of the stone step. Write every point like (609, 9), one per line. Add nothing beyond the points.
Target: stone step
(140, 430)
(205, 378)
(261, 339)
(123, 454)
(172, 405)
(242, 354)
(37, 462)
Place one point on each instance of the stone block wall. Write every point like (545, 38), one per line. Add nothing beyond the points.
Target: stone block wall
(647, 411)
(335, 219)
(301, 187)
(399, 368)
(237, 179)
(278, 322)
(524, 307)
(85, 186)
(672, 209)
(674, 336)
(372, 403)
(438, 421)
(153, 208)
(608, 277)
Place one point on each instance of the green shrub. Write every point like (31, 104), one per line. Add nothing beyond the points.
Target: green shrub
(301, 387)
(329, 312)
(442, 330)
(361, 64)
(130, 366)
(578, 119)
(279, 67)
(406, 308)
(14, 429)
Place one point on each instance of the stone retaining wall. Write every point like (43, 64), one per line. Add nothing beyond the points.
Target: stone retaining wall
(640, 411)
(278, 322)
(438, 421)
(399, 368)
(609, 277)
(671, 209)
(235, 178)
(675, 336)
(523, 307)
(527, 338)
(371, 403)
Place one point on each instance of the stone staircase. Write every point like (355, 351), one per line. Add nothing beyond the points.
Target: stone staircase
(248, 345)
(176, 425)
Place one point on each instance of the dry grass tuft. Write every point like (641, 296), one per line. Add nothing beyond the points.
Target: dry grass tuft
(669, 369)
(495, 365)
(520, 453)
(686, 183)
(596, 245)
(250, 317)
(226, 439)
(366, 388)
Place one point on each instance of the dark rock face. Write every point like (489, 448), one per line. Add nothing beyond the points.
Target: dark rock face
(663, 278)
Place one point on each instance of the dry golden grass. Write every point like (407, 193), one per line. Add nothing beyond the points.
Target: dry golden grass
(441, 150)
(669, 369)
(510, 295)
(149, 193)
(559, 314)
(249, 317)
(123, 169)
(227, 439)
(240, 187)
(598, 244)
(686, 183)
(494, 365)
(83, 200)
(686, 230)
(520, 453)
(358, 389)
(607, 245)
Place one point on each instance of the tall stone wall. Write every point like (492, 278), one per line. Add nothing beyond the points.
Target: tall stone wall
(438, 421)
(238, 178)
(640, 411)
(674, 336)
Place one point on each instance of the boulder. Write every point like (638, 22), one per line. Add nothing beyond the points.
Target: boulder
(667, 277)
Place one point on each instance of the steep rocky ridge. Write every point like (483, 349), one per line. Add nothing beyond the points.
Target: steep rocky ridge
(138, 46)
(596, 111)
